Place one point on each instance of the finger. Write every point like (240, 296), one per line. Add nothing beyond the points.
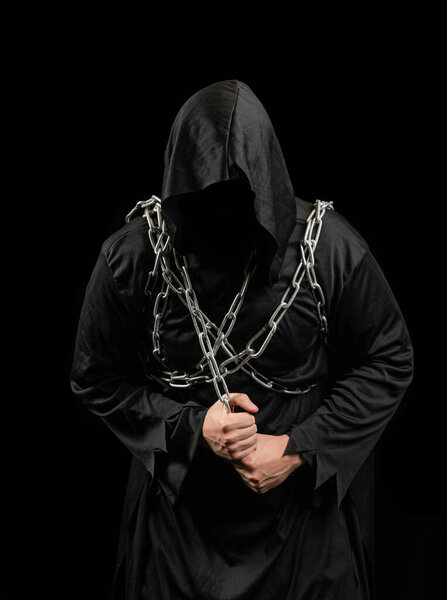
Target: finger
(238, 421)
(243, 401)
(238, 460)
(249, 443)
(242, 433)
(253, 487)
(247, 462)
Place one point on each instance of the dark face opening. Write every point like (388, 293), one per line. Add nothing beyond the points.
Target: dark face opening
(218, 221)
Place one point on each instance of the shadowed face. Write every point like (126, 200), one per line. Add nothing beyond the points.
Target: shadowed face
(219, 220)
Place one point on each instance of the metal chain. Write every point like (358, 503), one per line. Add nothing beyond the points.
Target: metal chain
(163, 249)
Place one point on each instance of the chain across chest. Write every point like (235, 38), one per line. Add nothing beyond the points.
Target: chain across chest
(175, 278)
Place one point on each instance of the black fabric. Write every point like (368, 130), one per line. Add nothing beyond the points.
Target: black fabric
(190, 528)
(223, 133)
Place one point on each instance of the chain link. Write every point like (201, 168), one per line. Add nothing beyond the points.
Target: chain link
(212, 337)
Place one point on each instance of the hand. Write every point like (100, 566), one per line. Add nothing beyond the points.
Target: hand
(266, 467)
(231, 436)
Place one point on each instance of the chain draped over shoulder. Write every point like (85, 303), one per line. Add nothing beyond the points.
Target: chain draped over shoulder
(207, 370)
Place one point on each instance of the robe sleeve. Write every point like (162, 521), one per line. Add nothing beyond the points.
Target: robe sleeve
(372, 346)
(106, 378)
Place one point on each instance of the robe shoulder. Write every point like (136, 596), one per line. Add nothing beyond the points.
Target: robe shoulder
(130, 257)
(131, 238)
(340, 250)
(338, 236)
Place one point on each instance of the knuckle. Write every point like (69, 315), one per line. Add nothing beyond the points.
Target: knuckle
(230, 448)
(229, 437)
(228, 442)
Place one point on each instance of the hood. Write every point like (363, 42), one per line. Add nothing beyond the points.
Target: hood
(223, 133)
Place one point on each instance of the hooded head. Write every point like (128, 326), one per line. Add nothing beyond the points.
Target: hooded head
(225, 173)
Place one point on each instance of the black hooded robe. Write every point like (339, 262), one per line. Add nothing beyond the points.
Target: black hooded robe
(190, 528)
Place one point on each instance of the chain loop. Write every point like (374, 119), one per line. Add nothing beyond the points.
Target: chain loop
(211, 337)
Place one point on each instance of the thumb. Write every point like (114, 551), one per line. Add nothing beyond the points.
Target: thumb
(243, 401)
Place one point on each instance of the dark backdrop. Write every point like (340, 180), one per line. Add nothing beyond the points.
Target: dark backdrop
(352, 131)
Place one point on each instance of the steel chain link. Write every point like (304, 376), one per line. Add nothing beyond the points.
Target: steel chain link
(164, 251)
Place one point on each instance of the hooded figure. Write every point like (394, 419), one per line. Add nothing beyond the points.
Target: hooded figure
(192, 526)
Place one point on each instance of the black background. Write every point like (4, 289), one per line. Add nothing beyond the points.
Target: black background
(356, 126)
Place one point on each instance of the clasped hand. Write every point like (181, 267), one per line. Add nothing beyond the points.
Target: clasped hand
(257, 457)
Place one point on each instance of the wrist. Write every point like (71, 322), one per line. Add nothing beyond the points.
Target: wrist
(293, 458)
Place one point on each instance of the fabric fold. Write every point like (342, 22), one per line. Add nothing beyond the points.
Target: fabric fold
(375, 358)
(223, 134)
(107, 383)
